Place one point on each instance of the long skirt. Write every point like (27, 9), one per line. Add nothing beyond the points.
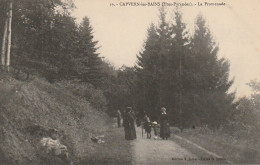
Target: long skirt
(164, 130)
(130, 133)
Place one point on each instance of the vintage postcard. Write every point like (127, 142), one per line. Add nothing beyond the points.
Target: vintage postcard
(129, 82)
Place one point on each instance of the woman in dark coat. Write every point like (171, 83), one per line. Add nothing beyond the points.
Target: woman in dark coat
(164, 125)
(129, 124)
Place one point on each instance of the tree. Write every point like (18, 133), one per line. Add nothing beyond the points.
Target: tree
(89, 64)
(147, 73)
(119, 88)
(176, 72)
(255, 97)
(244, 115)
(3, 52)
(161, 65)
(245, 118)
(255, 100)
(183, 73)
(42, 37)
(5, 55)
(151, 65)
(211, 82)
(10, 15)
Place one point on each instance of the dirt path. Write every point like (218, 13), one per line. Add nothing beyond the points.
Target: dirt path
(151, 151)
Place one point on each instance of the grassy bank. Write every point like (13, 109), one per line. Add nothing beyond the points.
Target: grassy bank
(115, 150)
(240, 150)
(31, 110)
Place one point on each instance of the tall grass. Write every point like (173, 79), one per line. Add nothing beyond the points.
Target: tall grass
(40, 103)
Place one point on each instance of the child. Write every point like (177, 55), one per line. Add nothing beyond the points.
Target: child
(146, 121)
(149, 130)
(156, 128)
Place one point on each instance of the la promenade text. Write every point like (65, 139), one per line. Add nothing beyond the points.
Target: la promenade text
(175, 4)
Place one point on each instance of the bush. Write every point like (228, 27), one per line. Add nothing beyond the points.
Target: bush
(87, 91)
(35, 109)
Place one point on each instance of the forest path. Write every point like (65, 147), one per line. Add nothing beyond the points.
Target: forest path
(152, 151)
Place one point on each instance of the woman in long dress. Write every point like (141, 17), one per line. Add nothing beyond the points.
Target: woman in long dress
(129, 125)
(164, 125)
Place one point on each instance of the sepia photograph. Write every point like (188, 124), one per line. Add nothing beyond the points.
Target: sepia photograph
(129, 82)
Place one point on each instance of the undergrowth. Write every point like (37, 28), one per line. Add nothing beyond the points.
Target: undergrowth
(48, 107)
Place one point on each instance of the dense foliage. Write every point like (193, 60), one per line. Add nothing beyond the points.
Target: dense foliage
(183, 73)
(175, 69)
(48, 42)
(246, 116)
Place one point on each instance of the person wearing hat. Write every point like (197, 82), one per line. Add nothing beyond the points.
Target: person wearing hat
(129, 124)
(164, 124)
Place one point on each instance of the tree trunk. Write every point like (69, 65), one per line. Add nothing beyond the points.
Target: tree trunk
(4, 44)
(9, 35)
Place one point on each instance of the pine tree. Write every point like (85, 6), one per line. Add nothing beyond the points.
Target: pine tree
(184, 75)
(177, 88)
(147, 72)
(89, 64)
(211, 78)
(151, 65)
(165, 41)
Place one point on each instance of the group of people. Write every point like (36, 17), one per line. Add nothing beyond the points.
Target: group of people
(129, 119)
